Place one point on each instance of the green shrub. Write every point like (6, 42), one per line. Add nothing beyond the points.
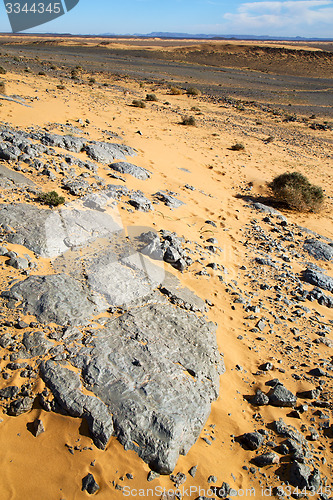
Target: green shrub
(138, 104)
(188, 120)
(151, 97)
(192, 91)
(92, 80)
(295, 189)
(52, 198)
(2, 71)
(238, 147)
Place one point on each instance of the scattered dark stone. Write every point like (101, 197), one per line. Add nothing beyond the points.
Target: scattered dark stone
(152, 475)
(282, 397)
(317, 372)
(38, 427)
(89, 484)
(266, 367)
(20, 406)
(252, 440)
(266, 459)
(193, 470)
(178, 479)
(260, 399)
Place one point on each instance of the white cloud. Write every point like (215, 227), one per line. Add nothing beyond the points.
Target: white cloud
(291, 17)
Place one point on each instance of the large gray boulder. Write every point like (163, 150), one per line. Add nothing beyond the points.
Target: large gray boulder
(55, 299)
(157, 370)
(318, 249)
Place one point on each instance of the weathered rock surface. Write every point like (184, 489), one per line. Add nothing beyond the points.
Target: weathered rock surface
(180, 295)
(252, 440)
(319, 279)
(168, 200)
(301, 476)
(318, 249)
(268, 210)
(68, 142)
(105, 152)
(50, 233)
(55, 298)
(157, 370)
(9, 152)
(65, 386)
(139, 201)
(280, 396)
(129, 168)
(89, 484)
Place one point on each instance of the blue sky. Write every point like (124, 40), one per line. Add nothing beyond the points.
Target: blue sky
(309, 18)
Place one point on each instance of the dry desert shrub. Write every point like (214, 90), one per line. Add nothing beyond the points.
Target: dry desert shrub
(2, 71)
(138, 104)
(295, 189)
(151, 97)
(193, 91)
(2, 88)
(175, 91)
(238, 147)
(188, 120)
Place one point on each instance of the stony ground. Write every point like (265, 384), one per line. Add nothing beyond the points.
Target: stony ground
(180, 317)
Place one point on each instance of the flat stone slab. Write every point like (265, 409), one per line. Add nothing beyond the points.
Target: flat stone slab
(14, 176)
(157, 370)
(105, 152)
(128, 168)
(68, 142)
(55, 299)
(319, 249)
(50, 233)
(180, 295)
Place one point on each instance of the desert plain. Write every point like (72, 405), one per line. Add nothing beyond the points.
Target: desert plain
(262, 270)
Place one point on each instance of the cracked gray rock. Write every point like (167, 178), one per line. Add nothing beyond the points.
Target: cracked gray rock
(50, 233)
(319, 249)
(54, 299)
(157, 370)
(105, 152)
(318, 279)
(128, 168)
(65, 386)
